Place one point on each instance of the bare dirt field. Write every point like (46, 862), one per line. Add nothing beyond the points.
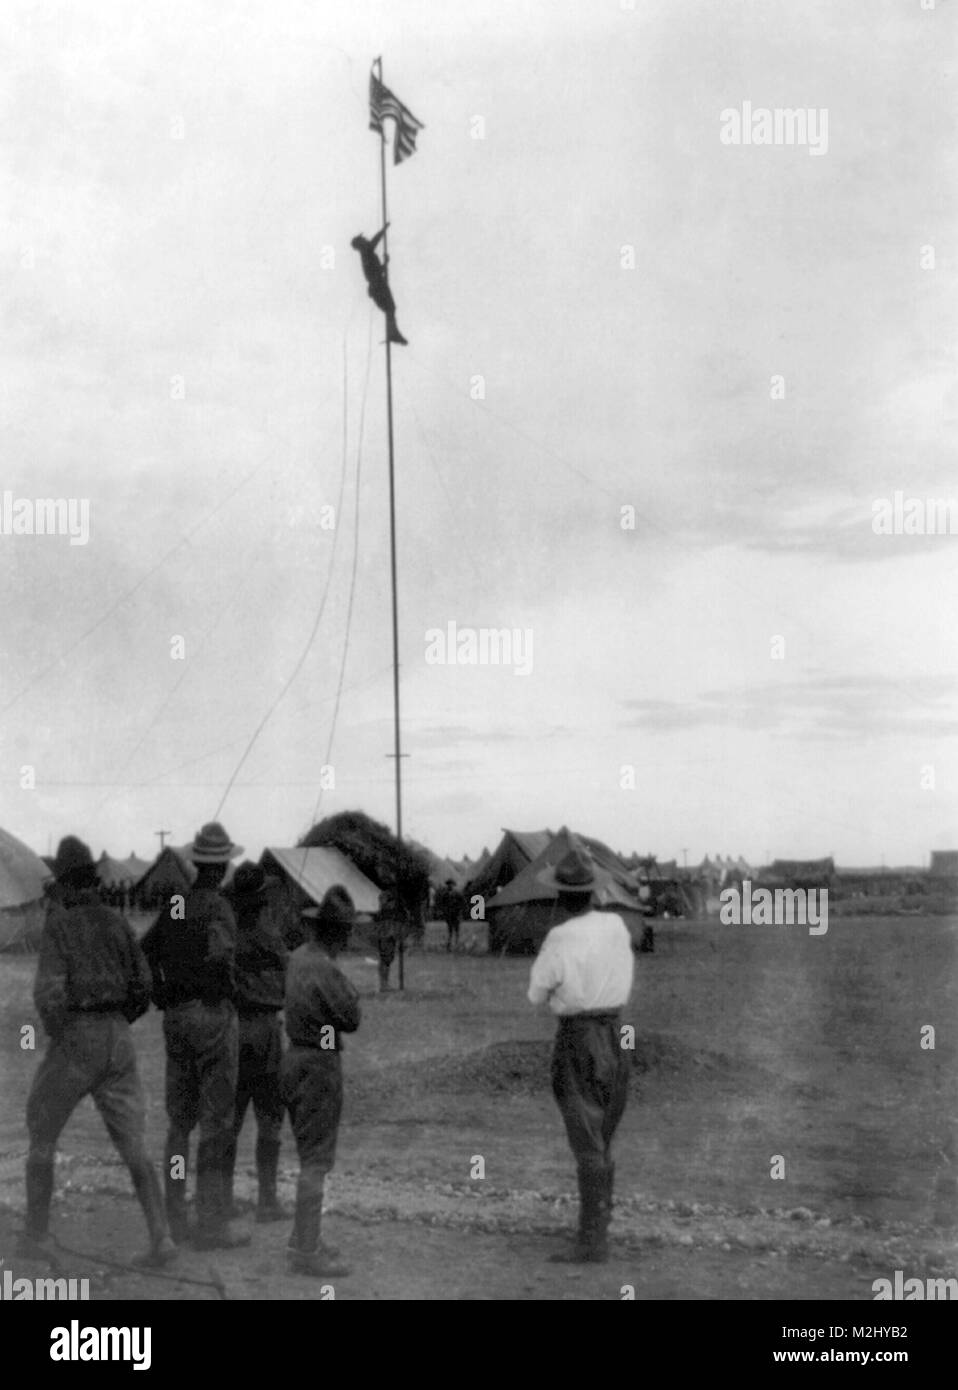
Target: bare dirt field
(751, 1042)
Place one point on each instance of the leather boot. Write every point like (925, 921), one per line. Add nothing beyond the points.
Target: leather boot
(603, 1213)
(176, 1206)
(229, 1167)
(590, 1246)
(268, 1206)
(306, 1254)
(213, 1231)
(36, 1241)
(147, 1189)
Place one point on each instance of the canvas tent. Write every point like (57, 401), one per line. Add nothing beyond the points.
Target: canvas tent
(516, 850)
(308, 873)
(171, 872)
(22, 907)
(521, 913)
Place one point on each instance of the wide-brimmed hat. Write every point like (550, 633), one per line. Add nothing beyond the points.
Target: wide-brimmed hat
(336, 909)
(574, 873)
(73, 860)
(213, 846)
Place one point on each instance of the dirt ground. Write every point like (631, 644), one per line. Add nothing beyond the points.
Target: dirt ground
(751, 1043)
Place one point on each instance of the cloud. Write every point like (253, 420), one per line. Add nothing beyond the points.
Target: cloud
(818, 707)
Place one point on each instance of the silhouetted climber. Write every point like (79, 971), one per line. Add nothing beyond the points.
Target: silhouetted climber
(374, 270)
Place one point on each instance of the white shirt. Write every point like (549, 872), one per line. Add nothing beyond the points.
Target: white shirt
(583, 965)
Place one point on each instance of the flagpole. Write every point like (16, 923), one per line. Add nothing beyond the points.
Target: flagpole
(397, 749)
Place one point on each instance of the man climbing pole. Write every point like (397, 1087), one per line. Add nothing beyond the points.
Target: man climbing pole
(376, 273)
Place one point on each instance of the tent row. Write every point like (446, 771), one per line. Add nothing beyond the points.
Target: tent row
(520, 908)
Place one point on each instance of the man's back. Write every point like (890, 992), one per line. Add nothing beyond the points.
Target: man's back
(89, 961)
(192, 957)
(318, 995)
(585, 964)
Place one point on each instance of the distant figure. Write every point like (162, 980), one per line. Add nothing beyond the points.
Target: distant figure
(449, 909)
(584, 972)
(389, 925)
(375, 272)
(321, 1005)
(92, 982)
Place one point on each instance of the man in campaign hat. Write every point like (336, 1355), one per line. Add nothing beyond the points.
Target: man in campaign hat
(261, 957)
(321, 1005)
(584, 972)
(191, 949)
(92, 982)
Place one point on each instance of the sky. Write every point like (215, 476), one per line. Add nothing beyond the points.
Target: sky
(656, 386)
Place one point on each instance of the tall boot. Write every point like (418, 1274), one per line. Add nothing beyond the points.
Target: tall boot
(36, 1242)
(147, 1189)
(175, 1204)
(306, 1253)
(589, 1247)
(213, 1230)
(268, 1206)
(229, 1168)
(603, 1213)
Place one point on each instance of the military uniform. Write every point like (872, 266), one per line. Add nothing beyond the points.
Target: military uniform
(193, 964)
(449, 907)
(321, 1005)
(391, 927)
(261, 958)
(92, 982)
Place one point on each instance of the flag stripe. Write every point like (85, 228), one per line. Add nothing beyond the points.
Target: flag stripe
(384, 105)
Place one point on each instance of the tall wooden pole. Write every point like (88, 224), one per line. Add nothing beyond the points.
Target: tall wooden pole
(397, 748)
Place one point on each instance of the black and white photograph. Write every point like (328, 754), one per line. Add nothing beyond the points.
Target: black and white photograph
(478, 667)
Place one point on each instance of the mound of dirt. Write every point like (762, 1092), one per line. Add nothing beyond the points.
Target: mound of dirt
(523, 1068)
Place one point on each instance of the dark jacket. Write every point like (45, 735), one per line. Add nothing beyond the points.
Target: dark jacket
(90, 962)
(318, 996)
(193, 958)
(261, 955)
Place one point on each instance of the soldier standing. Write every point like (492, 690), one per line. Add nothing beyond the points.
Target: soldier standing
(261, 958)
(92, 982)
(321, 1005)
(449, 905)
(584, 971)
(191, 950)
(390, 924)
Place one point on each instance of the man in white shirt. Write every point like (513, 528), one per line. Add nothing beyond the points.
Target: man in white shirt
(584, 972)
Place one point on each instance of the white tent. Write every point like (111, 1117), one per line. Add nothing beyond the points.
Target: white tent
(313, 871)
(22, 908)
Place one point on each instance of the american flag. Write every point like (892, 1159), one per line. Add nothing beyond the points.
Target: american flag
(382, 105)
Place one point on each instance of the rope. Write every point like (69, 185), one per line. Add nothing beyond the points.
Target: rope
(352, 578)
(87, 632)
(315, 628)
(188, 668)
